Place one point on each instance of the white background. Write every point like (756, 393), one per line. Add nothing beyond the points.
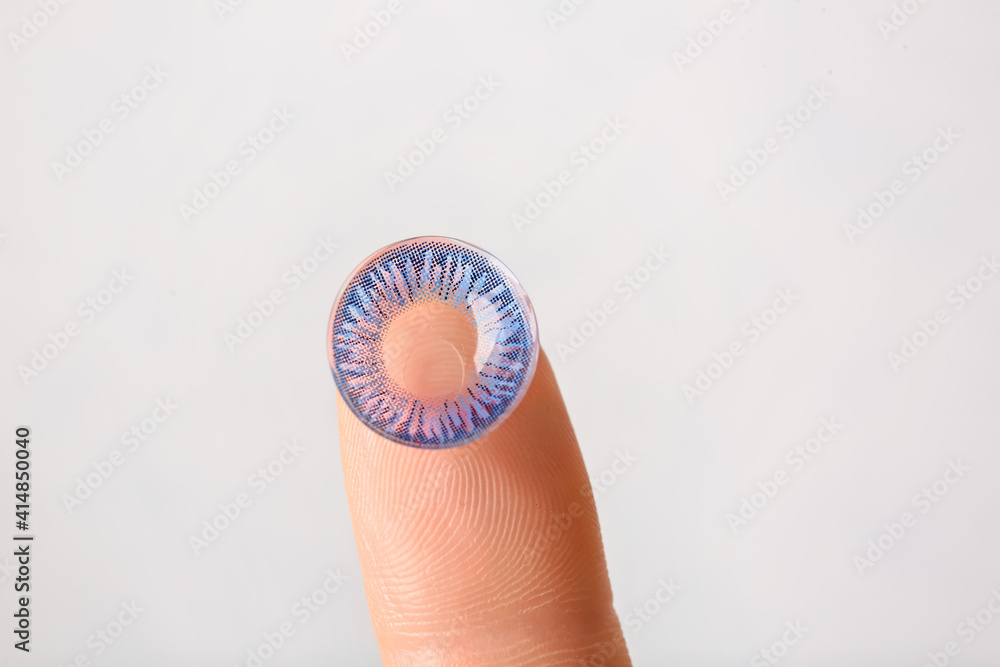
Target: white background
(687, 126)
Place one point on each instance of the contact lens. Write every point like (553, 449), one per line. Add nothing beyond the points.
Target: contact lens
(432, 342)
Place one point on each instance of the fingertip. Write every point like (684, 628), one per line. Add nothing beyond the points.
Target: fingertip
(501, 533)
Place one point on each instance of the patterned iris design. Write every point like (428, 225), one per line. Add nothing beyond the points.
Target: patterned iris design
(432, 342)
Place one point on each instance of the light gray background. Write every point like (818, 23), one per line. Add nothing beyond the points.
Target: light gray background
(663, 517)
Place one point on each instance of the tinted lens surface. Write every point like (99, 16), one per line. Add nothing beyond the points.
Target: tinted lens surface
(432, 342)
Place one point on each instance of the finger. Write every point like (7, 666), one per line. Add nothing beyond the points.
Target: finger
(489, 553)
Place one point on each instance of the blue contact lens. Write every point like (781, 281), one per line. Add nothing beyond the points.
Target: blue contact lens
(432, 342)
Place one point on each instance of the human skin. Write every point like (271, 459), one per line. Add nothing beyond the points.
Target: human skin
(486, 554)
